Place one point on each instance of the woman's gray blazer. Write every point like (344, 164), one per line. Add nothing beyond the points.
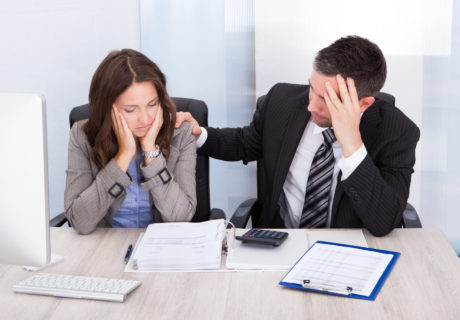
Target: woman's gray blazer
(92, 196)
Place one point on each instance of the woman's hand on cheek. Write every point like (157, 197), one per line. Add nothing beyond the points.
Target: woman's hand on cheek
(148, 142)
(125, 139)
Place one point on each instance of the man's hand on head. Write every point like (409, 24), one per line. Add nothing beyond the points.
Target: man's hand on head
(187, 117)
(345, 114)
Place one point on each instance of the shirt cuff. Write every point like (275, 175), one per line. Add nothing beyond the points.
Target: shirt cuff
(348, 165)
(202, 139)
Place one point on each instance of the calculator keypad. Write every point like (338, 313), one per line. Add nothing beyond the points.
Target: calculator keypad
(260, 236)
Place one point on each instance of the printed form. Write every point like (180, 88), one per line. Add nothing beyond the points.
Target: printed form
(337, 267)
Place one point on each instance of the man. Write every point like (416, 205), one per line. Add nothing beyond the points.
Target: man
(355, 175)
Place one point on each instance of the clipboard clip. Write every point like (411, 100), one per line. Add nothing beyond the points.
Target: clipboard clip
(345, 291)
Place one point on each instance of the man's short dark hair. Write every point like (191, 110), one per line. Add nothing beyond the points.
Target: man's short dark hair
(357, 58)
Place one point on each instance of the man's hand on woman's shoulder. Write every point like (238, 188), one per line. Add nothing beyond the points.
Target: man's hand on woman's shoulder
(187, 117)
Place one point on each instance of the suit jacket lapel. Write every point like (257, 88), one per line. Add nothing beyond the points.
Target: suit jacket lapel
(368, 128)
(291, 138)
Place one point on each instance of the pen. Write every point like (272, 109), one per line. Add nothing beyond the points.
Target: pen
(128, 253)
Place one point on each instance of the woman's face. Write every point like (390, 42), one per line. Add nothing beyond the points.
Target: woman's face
(139, 105)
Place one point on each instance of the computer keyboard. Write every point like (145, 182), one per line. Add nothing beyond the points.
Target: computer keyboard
(68, 286)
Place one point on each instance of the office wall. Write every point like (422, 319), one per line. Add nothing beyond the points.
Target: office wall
(53, 47)
(206, 50)
(440, 176)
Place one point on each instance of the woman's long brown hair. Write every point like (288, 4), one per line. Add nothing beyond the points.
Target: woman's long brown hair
(114, 75)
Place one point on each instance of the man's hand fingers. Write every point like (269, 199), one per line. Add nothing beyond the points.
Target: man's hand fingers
(179, 119)
(333, 98)
(353, 92)
(344, 91)
(187, 117)
(330, 105)
(196, 131)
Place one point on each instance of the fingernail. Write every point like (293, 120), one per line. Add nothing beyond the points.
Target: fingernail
(328, 84)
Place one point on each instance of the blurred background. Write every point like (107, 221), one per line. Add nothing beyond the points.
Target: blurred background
(229, 52)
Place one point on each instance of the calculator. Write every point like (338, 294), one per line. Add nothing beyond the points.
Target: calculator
(268, 237)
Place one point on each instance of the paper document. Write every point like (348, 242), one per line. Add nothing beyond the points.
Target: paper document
(180, 245)
(340, 267)
(353, 237)
(246, 256)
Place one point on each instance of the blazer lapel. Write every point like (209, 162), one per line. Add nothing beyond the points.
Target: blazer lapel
(368, 128)
(291, 138)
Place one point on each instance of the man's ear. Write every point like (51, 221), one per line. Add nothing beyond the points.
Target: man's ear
(365, 103)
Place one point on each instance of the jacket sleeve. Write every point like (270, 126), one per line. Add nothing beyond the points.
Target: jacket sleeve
(87, 199)
(378, 190)
(234, 144)
(174, 193)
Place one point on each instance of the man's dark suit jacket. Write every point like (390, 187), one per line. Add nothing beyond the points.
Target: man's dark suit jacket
(374, 196)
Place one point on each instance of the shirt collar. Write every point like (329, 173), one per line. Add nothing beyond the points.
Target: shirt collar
(317, 129)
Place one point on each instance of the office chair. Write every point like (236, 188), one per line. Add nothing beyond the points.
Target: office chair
(199, 111)
(247, 208)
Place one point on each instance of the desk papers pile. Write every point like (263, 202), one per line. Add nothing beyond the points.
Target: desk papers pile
(180, 246)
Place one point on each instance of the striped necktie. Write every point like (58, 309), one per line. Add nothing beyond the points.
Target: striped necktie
(315, 207)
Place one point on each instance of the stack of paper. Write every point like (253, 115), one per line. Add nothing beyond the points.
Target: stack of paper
(183, 245)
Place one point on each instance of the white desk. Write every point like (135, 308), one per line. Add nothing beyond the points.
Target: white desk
(425, 284)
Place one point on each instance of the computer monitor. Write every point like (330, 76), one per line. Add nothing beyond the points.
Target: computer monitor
(24, 211)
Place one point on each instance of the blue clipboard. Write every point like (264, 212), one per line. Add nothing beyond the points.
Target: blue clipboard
(377, 286)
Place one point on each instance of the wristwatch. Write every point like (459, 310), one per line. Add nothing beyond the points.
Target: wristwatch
(152, 154)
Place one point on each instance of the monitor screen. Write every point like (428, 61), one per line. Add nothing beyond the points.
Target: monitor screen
(24, 212)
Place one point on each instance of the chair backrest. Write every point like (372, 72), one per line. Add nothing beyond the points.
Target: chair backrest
(260, 170)
(199, 111)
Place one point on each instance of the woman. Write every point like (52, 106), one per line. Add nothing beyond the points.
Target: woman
(128, 166)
